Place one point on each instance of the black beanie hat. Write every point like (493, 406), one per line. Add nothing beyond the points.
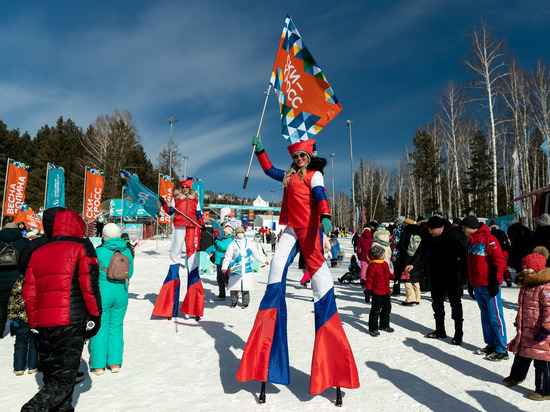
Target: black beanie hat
(435, 222)
(471, 222)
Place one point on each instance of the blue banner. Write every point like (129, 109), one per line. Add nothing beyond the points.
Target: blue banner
(199, 188)
(55, 187)
(135, 192)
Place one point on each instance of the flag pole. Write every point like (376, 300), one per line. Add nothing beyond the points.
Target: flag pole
(157, 224)
(257, 134)
(84, 197)
(46, 189)
(5, 188)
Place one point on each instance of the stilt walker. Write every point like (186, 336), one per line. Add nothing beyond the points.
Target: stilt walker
(307, 104)
(183, 205)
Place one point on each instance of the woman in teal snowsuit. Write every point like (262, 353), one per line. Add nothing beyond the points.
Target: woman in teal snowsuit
(221, 244)
(107, 346)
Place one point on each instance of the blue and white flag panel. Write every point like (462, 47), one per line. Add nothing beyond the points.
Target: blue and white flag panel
(55, 187)
(136, 192)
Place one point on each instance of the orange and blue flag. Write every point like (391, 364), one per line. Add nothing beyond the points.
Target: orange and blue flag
(306, 99)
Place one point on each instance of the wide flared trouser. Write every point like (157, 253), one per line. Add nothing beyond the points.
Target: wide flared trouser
(193, 303)
(265, 357)
(107, 346)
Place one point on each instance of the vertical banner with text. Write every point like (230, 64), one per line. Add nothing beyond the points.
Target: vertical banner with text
(93, 192)
(55, 186)
(16, 182)
(166, 190)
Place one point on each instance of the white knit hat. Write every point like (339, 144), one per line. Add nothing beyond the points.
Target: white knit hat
(111, 230)
(228, 230)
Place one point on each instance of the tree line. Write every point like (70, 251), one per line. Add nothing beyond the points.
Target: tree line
(462, 161)
(111, 143)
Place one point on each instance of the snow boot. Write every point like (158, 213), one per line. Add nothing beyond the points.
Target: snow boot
(457, 339)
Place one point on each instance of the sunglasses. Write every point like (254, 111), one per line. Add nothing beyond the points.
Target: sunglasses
(298, 155)
(185, 187)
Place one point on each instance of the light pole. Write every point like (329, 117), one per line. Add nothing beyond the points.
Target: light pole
(171, 121)
(185, 167)
(332, 162)
(349, 122)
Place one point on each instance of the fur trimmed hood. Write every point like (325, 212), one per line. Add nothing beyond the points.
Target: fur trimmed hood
(533, 279)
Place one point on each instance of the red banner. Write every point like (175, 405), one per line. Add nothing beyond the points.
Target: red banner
(166, 190)
(94, 190)
(15, 186)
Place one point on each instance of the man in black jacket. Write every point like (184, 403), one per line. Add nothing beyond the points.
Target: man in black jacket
(446, 250)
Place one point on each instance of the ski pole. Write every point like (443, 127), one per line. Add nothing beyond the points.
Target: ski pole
(257, 133)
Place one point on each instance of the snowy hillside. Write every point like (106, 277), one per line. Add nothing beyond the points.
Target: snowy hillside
(181, 365)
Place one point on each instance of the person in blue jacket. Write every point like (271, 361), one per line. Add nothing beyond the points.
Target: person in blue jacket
(221, 244)
(107, 346)
(334, 249)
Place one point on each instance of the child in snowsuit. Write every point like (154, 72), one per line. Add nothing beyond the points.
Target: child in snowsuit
(239, 255)
(24, 355)
(532, 325)
(378, 286)
(354, 271)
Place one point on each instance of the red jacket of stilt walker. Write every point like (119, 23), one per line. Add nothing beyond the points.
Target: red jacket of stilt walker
(304, 201)
(188, 205)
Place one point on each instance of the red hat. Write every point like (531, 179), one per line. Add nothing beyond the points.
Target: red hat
(305, 146)
(187, 182)
(535, 261)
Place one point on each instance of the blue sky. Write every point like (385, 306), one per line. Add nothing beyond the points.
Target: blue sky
(208, 64)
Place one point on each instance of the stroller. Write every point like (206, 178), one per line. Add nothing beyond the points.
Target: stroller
(354, 274)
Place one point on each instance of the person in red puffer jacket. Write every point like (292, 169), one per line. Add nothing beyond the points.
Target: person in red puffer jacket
(61, 294)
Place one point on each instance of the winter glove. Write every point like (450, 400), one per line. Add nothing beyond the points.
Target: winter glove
(326, 225)
(92, 327)
(494, 287)
(162, 201)
(542, 335)
(257, 141)
(368, 294)
(201, 223)
(405, 276)
(471, 292)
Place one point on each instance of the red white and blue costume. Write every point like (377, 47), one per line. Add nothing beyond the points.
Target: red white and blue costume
(265, 356)
(183, 234)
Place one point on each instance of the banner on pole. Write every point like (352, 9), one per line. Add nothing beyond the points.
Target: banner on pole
(306, 100)
(55, 194)
(136, 192)
(166, 190)
(94, 191)
(199, 188)
(16, 182)
(29, 217)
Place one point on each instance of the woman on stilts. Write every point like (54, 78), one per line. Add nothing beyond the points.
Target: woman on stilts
(305, 212)
(185, 208)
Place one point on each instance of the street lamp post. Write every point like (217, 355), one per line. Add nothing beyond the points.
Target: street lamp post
(170, 120)
(349, 123)
(185, 167)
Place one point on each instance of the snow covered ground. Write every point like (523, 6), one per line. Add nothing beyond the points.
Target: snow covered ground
(181, 365)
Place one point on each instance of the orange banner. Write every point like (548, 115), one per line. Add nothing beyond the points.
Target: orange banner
(206, 216)
(232, 213)
(94, 190)
(15, 187)
(29, 218)
(166, 190)
(250, 215)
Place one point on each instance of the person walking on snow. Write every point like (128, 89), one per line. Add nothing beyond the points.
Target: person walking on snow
(107, 346)
(187, 213)
(485, 263)
(238, 257)
(306, 214)
(364, 243)
(532, 325)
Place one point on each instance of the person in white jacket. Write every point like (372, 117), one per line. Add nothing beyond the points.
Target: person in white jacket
(238, 257)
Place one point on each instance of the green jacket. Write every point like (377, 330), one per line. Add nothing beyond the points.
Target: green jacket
(8, 276)
(221, 247)
(105, 252)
